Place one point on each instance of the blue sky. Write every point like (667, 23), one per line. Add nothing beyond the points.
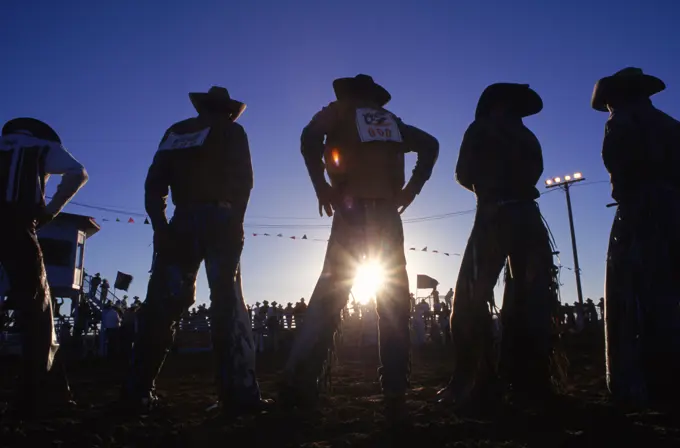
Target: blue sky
(110, 77)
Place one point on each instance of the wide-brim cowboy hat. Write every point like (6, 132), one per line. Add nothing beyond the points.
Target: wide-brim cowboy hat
(524, 101)
(361, 86)
(629, 82)
(32, 126)
(217, 99)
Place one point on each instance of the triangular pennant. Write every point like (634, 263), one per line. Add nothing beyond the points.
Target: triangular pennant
(146, 221)
(292, 237)
(435, 251)
(254, 234)
(105, 219)
(446, 254)
(266, 234)
(424, 249)
(280, 235)
(304, 237)
(413, 248)
(117, 219)
(131, 221)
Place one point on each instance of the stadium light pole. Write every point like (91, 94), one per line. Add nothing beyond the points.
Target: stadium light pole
(564, 183)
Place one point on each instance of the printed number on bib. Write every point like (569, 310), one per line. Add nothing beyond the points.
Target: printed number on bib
(376, 125)
(183, 141)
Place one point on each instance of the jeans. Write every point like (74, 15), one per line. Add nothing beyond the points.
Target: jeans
(209, 233)
(364, 230)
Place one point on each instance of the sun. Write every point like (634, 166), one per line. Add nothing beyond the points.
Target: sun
(368, 281)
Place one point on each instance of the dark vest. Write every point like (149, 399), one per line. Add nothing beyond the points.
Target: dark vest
(364, 151)
(201, 165)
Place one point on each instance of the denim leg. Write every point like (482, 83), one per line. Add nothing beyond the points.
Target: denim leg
(315, 335)
(171, 291)
(22, 260)
(529, 302)
(232, 334)
(393, 305)
(471, 322)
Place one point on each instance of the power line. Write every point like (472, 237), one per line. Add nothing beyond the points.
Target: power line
(310, 226)
(417, 220)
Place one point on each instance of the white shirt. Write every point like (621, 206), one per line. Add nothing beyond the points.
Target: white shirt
(31, 161)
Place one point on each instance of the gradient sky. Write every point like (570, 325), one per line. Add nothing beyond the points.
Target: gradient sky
(110, 77)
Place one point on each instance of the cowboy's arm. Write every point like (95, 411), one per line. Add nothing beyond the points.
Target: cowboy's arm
(619, 145)
(59, 161)
(467, 166)
(238, 142)
(427, 148)
(312, 145)
(534, 161)
(157, 188)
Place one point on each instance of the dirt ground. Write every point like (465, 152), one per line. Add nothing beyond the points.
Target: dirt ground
(349, 417)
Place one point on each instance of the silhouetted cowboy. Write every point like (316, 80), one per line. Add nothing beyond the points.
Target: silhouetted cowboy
(205, 162)
(501, 161)
(363, 155)
(641, 151)
(30, 151)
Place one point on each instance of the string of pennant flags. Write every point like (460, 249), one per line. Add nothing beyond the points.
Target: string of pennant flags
(304, 237)
(425, 249)
(131, 220)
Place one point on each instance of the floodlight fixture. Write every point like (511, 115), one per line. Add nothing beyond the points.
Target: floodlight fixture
(561, 181)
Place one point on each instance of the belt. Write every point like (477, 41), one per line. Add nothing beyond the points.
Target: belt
(491, 203)
(220, 204)
(369, 202)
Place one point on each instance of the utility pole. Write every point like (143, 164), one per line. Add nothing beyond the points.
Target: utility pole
(564, 184)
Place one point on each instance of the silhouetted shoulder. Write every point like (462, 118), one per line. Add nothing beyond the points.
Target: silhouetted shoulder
(667, 120)
(236, 129)
(322, 122)
(327, 115)
(476, 127)
(475, 132)
(187, 125)
(530, 136)
(237, 126)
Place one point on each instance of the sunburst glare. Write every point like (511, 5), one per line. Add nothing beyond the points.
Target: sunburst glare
(369, 278)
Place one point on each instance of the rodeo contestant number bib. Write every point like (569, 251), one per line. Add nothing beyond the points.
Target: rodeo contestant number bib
(377, 125)
(183, 141)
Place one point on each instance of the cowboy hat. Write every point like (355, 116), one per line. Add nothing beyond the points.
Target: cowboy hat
(217, 99)
(361, 86)
(631, 81)
(524, 100)
(36, 128)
